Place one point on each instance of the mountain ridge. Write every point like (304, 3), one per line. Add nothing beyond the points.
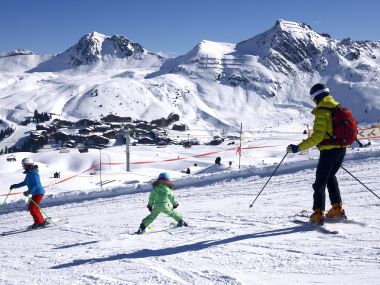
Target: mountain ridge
(262, 82)
(95, 47)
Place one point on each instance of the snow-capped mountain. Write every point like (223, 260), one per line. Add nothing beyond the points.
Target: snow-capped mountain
(282, 64)
(262, 82)
(95, 47)
(285, 46)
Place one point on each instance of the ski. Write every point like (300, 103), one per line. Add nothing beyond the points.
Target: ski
(24, 230)
(149, 230)
(320, 228)
(52, 222)
(175, 226)
(344, 220)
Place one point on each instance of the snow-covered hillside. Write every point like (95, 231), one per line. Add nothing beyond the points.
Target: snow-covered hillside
(262, 82)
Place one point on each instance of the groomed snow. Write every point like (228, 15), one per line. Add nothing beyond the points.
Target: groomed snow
(227, 242)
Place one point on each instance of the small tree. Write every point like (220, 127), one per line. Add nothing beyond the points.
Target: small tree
(36, 116)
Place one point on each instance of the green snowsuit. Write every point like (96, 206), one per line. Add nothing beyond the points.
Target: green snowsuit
(159, 200)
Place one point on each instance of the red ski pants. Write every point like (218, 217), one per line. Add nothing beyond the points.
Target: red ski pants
(34, 210)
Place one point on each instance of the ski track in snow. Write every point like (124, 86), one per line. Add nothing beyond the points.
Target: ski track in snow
(227, 242)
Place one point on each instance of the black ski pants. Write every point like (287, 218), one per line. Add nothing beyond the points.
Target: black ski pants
(328, 165)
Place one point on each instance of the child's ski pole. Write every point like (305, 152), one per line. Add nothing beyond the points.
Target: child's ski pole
(30, 199)
(6, 197)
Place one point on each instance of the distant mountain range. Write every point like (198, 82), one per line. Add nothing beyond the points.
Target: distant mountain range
(262, 82)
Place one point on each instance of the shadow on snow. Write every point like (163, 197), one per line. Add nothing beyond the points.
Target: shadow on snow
(184, 248)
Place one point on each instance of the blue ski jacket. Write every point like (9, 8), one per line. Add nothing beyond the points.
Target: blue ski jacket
(32, 181)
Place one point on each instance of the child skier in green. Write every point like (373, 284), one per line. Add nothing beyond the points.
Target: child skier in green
(158, 203)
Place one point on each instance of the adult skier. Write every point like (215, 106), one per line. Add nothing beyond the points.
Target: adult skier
(159, 199)
(35, 188)
(331, 155)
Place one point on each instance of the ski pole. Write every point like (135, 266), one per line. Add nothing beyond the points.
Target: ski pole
(360, 182)
(6, 197)
(268, 180)
(30, 199)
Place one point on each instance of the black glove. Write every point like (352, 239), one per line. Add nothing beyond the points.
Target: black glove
(26, 193)
(175, 206)
(292, 148)
(150, 208)
(13, 186)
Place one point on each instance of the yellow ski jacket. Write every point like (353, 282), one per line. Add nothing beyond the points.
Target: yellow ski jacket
(322, 125)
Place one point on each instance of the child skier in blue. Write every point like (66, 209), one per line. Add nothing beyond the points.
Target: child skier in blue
(158, 203)
(35, 188)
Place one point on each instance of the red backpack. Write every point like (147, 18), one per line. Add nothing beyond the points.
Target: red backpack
(345, 127)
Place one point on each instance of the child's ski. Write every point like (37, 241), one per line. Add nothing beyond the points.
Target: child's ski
(150, 230)
(53, 222)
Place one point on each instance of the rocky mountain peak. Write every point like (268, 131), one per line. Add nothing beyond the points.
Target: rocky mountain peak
(286, 42)
(95, 46)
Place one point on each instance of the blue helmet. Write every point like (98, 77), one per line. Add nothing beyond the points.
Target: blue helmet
(163, 176)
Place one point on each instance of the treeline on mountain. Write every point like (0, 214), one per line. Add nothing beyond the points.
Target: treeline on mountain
(37, 117)
(6, 133)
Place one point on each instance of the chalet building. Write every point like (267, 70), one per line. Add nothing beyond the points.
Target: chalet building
(70, 143)
(64, 124)
(111, 134)
(61, 136)
(85, 131)
(145, 126)
(161, 122)
(83, 123)
(166, 122)
(97, 140)
(146, 140)
(43, 127)
(78, 138)
(180, 127)
(102, 128)
(37, 134)
(117, 119)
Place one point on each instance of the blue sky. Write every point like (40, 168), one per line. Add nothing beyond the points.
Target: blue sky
(174, 26)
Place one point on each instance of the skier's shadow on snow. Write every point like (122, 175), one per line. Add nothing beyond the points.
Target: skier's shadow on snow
(184, 248)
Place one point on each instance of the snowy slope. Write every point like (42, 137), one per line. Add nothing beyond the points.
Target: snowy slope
(260, 245)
